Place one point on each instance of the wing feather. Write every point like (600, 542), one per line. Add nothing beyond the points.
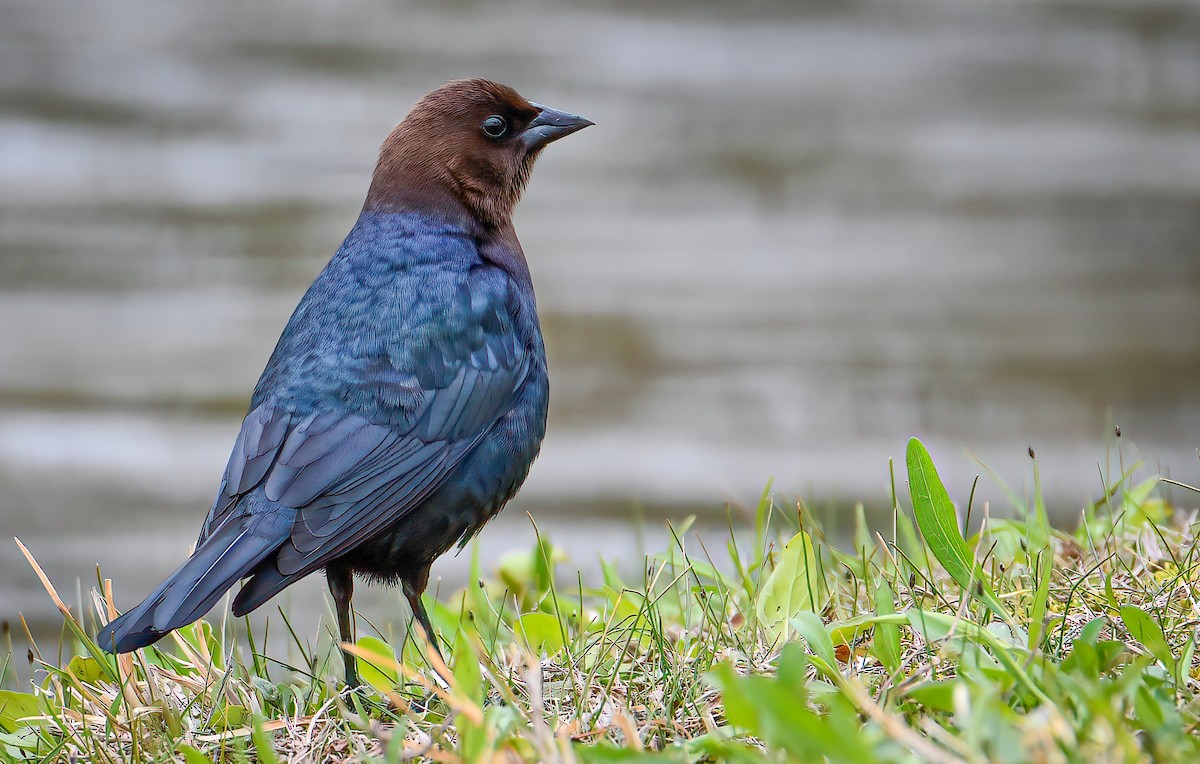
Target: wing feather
(349, 473)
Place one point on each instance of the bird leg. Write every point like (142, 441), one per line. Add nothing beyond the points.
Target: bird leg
(341, 586)
(413, 589)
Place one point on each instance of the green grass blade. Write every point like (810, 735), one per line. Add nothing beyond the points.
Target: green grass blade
(1041, 596)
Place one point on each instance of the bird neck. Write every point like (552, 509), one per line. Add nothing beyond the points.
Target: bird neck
(398, 193)
(435, 177)
(437, 183)
(495, 245)
(500, 247)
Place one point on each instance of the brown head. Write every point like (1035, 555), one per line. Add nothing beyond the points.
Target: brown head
(467, 147)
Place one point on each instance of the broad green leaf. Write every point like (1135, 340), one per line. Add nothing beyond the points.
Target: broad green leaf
(1090, 632)
(1136, 496)
(712, 746)
(939, 525)
(886, 642)
(542, 632)
(906, 536)
(1148, 633)
(864, 544)
(378, 674)
(849, 631)
(739, 707)
(1147, 708)
(515, 571)
(1109, 594)
(606, 753)
(192, 755)
(230, 717)
(612, 579)
(812, 629)
(793, 587)
(937, 695)
(936, 517)
(474, 738)
(1186, 655)
(792, 668)
(777, 712)
(530, 573)
(468, 678)
(1083, 660)
(935, 626)
(545, 557)
(15, 706)
(477, 594)
(263, 748)
(630, 615)
(85, 669)
(1005, 540)
(27, 739)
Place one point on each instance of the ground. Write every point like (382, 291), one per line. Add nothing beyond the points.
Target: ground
(1016, 643)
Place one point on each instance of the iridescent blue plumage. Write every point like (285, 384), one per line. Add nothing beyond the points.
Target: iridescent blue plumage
(403, 405)
(406, 398)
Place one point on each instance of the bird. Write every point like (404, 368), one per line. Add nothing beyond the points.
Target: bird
(407, 396)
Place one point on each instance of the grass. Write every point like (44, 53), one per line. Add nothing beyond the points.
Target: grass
(1017, 643)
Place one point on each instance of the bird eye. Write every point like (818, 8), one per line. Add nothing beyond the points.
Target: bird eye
(495, 126)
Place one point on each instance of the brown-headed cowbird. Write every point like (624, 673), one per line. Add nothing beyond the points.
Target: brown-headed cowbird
(406, 398)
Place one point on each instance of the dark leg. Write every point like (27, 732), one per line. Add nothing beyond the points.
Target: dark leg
(413, 589)
(341, 586)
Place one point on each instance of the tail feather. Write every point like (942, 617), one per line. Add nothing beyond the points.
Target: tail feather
(266, 583)
(228, 555)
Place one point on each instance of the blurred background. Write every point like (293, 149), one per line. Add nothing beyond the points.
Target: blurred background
(799, 233)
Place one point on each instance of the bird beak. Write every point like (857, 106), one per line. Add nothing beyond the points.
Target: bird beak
(550, 125)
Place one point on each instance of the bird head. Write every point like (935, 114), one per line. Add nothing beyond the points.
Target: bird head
(467, 147)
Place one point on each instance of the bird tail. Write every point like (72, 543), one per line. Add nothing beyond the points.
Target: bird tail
(226, 556)
(266, 583)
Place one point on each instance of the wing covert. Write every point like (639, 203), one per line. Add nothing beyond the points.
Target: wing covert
(350, 473)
